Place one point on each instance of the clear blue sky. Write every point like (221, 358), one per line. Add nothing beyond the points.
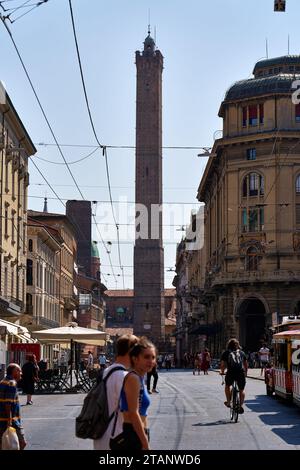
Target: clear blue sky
(206, 45)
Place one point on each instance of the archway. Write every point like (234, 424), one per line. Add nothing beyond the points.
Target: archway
(252, 320)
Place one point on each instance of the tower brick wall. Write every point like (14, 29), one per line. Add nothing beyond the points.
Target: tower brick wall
(148, 251)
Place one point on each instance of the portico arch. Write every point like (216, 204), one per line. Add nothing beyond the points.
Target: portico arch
(251, 313)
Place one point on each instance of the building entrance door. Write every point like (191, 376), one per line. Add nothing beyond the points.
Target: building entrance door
(252, 316)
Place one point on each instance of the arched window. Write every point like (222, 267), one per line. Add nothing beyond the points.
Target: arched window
(298, 185)
(253, 185)
(252, 259)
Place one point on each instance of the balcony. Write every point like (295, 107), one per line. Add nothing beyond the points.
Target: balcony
(246, 277)
(70, 303)
(10, 307)
(44, 322)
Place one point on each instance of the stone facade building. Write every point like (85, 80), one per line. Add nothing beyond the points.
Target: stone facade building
(43, 280)
(148, 250)
(251, 191)
(15, 148)
(68, 298)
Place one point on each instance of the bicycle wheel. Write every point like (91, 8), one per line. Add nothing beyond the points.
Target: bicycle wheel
(232, 403)
(235, 404)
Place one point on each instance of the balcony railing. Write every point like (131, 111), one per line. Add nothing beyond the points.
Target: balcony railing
(255, 276)
(46, 322)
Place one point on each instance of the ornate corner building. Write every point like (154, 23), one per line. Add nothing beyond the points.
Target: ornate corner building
(251, 191)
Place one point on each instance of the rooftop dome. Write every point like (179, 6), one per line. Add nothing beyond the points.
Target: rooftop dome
(94, 250)
(271, 76)
(274, 84)
(285, 64)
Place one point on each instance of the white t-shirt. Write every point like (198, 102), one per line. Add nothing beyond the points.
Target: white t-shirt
(264, 354)
(114, 386)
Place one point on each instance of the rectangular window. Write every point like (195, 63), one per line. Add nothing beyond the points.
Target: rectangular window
(244, 220)
(251, 154)
(262, 218)
(298, 214)
(253, 184)
(244, 116)
(12, 281)
(253, 115)
(6, 224)
(29, 273)
(5, 281)
(253, 220)
(13, 184)
(12, 227)
(6, 176)
(261, 185)
(261, 113)
(297, 112)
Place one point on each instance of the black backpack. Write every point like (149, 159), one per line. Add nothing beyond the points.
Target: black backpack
(94, 418)
(235, 360)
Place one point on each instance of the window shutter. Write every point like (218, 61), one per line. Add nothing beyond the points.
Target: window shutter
(253, 112)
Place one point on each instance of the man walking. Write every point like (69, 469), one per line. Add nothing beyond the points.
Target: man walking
(264, 354)
(114, 386)
(153, 373)
(9, 404)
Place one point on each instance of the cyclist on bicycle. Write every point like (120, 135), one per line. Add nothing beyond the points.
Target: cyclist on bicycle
(234, 360)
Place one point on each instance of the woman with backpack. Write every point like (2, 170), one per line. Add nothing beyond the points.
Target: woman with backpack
(135, 400)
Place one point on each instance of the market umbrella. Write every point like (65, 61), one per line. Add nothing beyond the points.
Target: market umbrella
(71, 333)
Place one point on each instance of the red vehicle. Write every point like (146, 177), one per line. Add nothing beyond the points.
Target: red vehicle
(283, 378)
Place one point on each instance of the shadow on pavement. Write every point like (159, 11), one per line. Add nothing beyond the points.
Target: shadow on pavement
(214, 423)
(285, 416)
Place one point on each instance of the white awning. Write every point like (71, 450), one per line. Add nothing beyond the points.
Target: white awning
(11, 327)
(19, 331)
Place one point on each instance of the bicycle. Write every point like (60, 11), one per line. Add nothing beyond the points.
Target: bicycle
(234, 401)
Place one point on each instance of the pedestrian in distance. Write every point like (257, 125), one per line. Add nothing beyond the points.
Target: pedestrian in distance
(114, 385)
(264, 355)
(197, 363)
(30, 371)
(102, 361)
(10, 405)
(90, 361)
(153, 373)
(135, 399)
(205, 361)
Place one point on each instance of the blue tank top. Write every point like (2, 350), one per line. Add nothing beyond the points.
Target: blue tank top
(144, 399)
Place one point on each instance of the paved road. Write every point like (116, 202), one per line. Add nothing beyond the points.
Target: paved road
(187, 414)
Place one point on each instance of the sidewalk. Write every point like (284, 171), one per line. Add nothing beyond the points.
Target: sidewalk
(255, 374)
(251, 374)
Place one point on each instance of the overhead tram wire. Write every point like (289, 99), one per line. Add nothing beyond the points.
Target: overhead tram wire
(73, 221)
(178, 147)
(41, 107)
(95, 134)
(24, 5)
(50, 128)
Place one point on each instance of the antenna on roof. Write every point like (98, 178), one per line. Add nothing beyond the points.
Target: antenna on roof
(155, 34)
(149, 21)
(288, 44)
(267, 49)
